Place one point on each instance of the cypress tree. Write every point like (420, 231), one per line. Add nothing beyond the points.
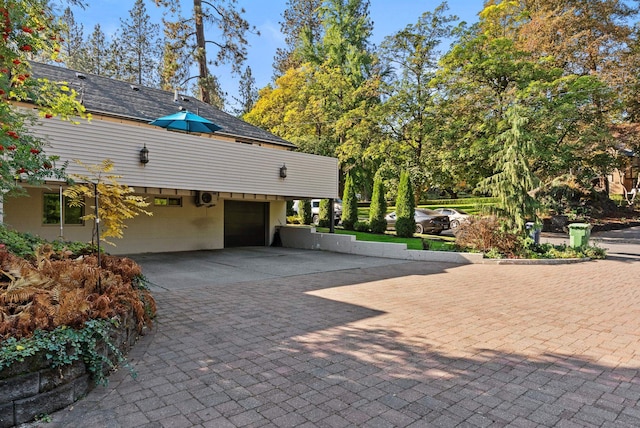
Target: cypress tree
(405, 207)
(349, 205)
(378, 207)
(304, 211)
(323, 213)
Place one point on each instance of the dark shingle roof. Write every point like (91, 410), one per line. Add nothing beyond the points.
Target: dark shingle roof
(102, 95)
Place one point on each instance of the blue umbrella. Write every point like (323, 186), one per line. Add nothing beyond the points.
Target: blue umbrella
(187, 122)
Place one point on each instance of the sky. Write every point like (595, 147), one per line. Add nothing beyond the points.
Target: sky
(388, 16)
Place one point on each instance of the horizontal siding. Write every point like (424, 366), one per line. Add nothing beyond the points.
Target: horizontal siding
(191, 162)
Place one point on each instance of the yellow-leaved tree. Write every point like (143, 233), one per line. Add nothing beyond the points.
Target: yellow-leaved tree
(116, 202)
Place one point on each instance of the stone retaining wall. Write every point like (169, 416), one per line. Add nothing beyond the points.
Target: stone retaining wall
(32, 387)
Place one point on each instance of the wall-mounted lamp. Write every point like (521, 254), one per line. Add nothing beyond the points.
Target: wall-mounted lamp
(144, 155)
(283, 171)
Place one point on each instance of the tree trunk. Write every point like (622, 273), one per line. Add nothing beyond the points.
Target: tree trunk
(201, 52)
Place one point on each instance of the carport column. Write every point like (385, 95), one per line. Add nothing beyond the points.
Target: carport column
(332, 216)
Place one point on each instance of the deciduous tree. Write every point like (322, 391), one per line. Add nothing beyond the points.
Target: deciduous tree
(28, 29)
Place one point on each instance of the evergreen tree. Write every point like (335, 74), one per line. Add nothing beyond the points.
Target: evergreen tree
(304, 211)
(514, 180)
(230, 42)
(324, 213)
(174, 70)
(114, 60)
(405, 207)
(302, 26)
(349, 204)
(73, 52)
(140, 43)
(345, 45)
(97, 52)
(247, 91)
(378, 207)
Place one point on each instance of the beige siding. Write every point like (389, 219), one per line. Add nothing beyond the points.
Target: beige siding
(182, 228)
(183, 161)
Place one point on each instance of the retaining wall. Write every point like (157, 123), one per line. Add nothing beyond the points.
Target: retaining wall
(307, 238)
(32, 387)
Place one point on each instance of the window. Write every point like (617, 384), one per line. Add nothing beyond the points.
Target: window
(51, 210)
(167, 202)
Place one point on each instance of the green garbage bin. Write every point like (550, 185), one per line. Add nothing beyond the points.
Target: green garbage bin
(579, 234)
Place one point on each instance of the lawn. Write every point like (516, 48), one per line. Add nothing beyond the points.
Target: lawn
(412, 243)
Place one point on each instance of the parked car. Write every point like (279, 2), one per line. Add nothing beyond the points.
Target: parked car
(315, 210)
(455, 215)
(427, 221)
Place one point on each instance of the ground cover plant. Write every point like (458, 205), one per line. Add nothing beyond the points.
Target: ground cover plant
(58, 300)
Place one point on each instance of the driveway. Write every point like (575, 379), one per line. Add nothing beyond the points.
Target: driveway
(290, 338)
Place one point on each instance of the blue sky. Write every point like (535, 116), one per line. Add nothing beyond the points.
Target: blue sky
(388, 17)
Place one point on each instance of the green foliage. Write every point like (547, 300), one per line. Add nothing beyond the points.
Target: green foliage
(349, 204)
(514, 179)
(21, 244)
(565, 195)
(324, 212)
(378, 226)
(30, 31)
(439, 245)
(412, 243)
(550, 251)
(405, 227)
(62, 346)
(378, 207)
(304, 211)
(361, 226)
(24, 244)
(405, 207)
(290, 210)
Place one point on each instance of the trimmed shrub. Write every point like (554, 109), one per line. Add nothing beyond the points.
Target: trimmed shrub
(290, 210)
(361, 226)
(378, 207)
(405, 208)
(304, 211)
(405, 227)
(349, 205)
(378, 226)
(323, 213)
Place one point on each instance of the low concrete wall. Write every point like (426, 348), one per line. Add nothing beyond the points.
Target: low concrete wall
(307, 238)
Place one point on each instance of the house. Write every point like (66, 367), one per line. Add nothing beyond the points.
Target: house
(207, 191)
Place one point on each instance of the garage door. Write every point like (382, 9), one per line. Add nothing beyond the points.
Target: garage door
(245, 224)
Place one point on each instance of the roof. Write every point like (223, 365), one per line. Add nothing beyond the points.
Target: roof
(103, 95)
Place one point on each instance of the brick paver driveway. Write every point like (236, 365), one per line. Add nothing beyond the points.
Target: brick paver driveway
(398, 344)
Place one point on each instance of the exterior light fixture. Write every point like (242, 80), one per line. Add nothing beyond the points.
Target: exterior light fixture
(283, 171)
(144, 155)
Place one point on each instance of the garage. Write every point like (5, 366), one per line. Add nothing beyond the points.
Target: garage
(245, 224)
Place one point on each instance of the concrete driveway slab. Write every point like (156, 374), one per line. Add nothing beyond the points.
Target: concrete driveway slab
(378, 343)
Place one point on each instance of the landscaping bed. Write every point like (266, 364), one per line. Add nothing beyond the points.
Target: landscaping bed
(67, 318)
